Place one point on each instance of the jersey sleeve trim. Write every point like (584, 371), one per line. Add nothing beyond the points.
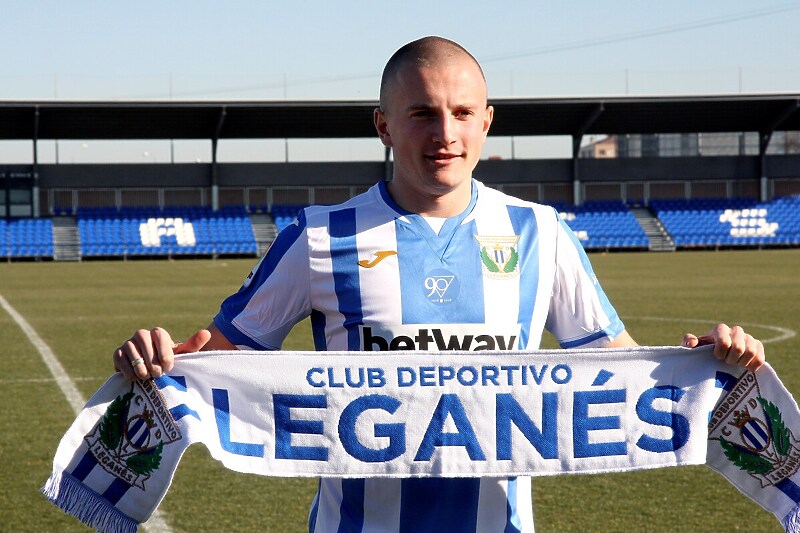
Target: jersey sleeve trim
(237, 337)
(597, 338)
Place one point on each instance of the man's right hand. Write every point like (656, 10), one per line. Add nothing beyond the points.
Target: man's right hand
(150, 353)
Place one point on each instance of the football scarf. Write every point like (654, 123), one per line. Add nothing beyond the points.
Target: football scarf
(448, 414)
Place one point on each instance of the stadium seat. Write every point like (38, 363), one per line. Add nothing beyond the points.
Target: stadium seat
(174, 230)
(26, 238)
(729, 222)
(603, 225)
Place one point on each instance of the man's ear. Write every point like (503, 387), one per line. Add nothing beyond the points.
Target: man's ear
(487, 119)
(382, 127)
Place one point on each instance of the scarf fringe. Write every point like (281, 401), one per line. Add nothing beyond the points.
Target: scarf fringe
(791, 522)
(78, 500)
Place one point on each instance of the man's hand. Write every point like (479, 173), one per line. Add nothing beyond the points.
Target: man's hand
(150, 353)
(731, 345)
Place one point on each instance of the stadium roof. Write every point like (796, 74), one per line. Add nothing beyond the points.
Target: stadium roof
(97, 120)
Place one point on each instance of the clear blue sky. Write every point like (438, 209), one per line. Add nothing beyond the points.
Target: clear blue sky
(190, 49)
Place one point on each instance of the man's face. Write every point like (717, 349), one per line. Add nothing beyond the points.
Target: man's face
(435, 119)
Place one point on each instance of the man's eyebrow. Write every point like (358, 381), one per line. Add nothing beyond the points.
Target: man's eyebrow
(428, 107)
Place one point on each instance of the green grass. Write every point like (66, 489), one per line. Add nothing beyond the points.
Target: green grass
(83, 311)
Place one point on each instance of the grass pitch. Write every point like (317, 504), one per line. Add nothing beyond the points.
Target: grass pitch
(84, 310)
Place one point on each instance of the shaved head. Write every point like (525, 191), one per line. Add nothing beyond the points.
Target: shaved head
(426, 52)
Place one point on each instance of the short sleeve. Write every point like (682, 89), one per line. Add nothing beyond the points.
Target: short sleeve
(273, 298)
(580, 313)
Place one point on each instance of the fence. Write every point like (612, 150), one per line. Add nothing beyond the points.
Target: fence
(57, 201)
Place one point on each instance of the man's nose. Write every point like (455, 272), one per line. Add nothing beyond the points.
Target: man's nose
(444, 130)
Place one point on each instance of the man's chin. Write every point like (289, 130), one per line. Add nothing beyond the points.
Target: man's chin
(450, 177)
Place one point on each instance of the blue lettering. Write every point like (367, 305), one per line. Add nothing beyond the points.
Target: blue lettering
(285, 426)
(394, 432)
(647, 413)
(508, 411)
(509, 370)
(348, 378)
(463, 370)
(376, 377)
(540, 376)
(222, 413)
(311, 372)
(402, 380)
(582, 423)
(449, 405)
(489, 373)
(332, 381)
(561, 380)
(427, 377)
(446, 373)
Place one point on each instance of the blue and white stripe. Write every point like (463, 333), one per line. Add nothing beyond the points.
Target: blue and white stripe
(434, 279)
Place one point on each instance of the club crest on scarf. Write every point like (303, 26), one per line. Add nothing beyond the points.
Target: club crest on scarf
(499, 256)
(129, 439)
(753, 435)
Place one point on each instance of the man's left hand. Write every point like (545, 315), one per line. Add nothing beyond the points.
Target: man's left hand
(732, 345)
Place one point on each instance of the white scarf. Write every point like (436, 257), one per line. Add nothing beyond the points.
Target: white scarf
(448, 414)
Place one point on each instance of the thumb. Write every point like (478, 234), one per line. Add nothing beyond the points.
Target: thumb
(690, 340)
(193, 343)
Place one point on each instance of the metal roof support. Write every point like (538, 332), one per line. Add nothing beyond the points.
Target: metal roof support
(35, 188)
(764, 138)
(577, 197)
(214, 166)
(387, 164)
(591, 118)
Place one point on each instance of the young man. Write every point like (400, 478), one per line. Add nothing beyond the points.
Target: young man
(431, 250)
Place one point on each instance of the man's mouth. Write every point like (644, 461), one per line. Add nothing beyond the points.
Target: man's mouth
(442, 157)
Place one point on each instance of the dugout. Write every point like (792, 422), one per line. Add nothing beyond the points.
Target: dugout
(39, 189)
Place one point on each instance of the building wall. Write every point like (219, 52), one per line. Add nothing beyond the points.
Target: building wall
(68, 186)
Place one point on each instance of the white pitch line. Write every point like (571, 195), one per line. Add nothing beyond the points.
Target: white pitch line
(43, 380)
(156, 523)
(783, 333)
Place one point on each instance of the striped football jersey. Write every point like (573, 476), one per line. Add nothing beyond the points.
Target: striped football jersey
(375, 277)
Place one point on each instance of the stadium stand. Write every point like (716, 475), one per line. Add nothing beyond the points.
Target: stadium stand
(198, 231)
(284, 214)
(26, 238)
(731, 222)
(604, 225)
(598, 225)
(173, 231)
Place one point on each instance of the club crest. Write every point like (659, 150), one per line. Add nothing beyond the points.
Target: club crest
(752, 434)
(499, 256)
(129, 440)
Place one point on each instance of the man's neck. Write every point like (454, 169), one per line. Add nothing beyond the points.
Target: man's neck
(441, 206)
